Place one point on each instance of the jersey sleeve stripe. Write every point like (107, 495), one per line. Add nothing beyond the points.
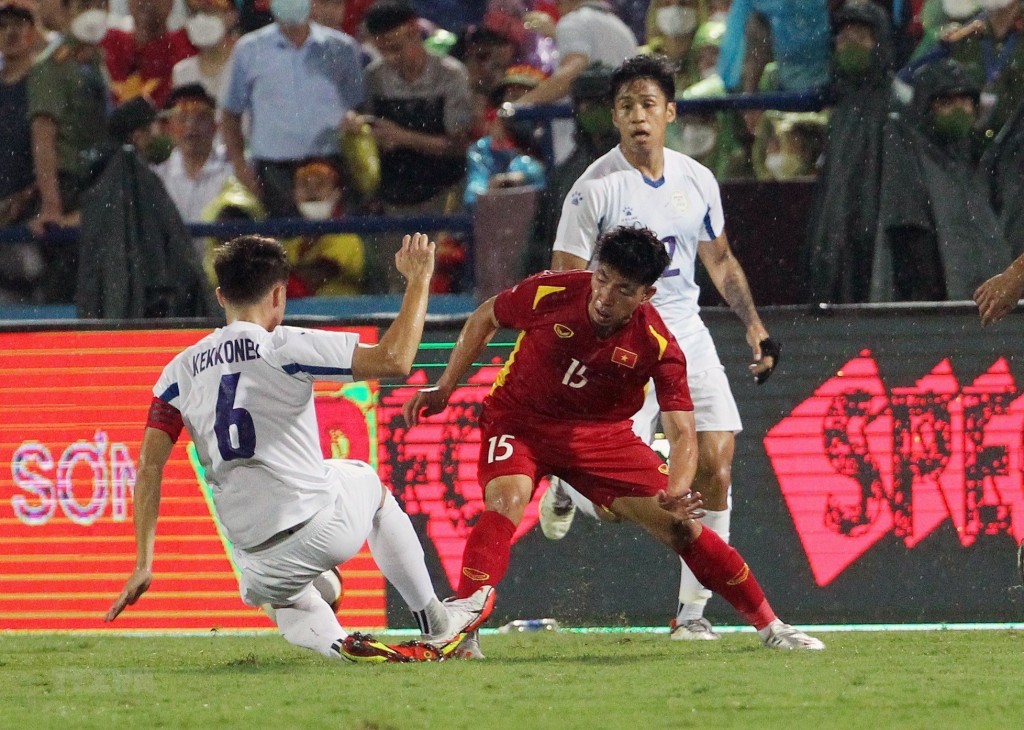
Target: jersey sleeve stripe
(707, 225)
(293, 368)
(170, 394)
(543, 291)
(662, 341)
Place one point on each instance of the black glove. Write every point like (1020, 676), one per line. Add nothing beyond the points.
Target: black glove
(769, 348)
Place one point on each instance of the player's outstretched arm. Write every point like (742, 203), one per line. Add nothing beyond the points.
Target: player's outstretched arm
(396, 351)
(997, 297)
(475, 334)
(156, 450)
(681, 432)
(728, 277)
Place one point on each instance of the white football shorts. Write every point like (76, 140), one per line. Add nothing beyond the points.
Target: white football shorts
(279, 573)
(714, 407)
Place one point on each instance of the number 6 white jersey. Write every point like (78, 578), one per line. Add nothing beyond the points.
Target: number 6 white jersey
(246, 397)
(683, 209)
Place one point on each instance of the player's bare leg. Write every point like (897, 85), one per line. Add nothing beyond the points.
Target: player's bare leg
(718, 566)
(715, 451)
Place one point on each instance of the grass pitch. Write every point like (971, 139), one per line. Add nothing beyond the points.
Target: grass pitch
(940, 679)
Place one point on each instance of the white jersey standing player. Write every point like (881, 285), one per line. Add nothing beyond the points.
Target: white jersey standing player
(245, 394)
(639, 182)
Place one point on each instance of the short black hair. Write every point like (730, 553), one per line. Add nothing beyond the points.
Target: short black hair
(656, 68)
(635, 252)
(194, 92)
(386, 15)
(250, 266)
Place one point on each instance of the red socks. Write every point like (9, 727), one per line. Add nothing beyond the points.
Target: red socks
(487, 553)
(720, 568)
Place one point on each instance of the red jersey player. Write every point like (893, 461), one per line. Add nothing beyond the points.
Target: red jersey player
(562, 405)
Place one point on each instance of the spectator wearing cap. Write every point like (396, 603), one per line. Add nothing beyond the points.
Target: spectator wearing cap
(197, 169)
(938, 236)
(68, 102)
(20, 41)
(296, 80)
(141, 62)
(212, 27)
(506, 157)
(330, 264)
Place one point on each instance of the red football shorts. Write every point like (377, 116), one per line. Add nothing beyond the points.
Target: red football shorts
(603, 461)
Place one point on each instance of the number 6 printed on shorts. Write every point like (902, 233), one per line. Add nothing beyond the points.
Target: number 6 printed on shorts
(499, 448)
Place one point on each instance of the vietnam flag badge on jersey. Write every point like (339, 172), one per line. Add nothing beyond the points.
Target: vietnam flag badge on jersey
(624, 357)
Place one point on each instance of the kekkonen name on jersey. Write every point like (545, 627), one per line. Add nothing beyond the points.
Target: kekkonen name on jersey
(226, 352)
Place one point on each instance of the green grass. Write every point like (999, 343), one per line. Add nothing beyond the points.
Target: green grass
(938, 679)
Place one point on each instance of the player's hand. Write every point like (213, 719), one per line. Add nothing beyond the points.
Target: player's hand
(415, 259)
(138, 583)
(998, 296)
(689, 506)
(426, 403)
(766, 356)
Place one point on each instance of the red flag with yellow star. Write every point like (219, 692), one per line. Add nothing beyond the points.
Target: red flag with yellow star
(624, 357)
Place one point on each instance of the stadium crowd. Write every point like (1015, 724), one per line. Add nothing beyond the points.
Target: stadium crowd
(323, 109)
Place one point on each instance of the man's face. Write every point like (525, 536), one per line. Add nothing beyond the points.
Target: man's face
(194, 126)
(946, 104)
(855, 34)
(486, 63)
(226, 10)
(613, 299)
(17, 36)
(642, 114)
(313, 188)
(397, 46)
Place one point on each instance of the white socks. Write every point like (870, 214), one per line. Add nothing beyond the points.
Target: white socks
(310, 623)
(692, 595)
(399, 555)
(583, 504)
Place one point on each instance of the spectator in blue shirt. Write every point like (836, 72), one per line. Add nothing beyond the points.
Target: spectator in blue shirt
(297, 80)
(505, 158)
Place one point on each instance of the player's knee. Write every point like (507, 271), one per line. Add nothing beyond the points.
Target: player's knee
(713, 483)
(681, 535)
(507, 500)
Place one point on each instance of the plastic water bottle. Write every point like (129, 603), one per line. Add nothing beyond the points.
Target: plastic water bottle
(529, 624)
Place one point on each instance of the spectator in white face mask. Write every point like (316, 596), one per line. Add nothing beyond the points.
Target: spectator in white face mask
(296, 80)
(212, 27)
(330, 264)
(671, 28)
(68, 101)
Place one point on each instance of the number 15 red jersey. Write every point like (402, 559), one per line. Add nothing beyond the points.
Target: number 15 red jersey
(560, 369)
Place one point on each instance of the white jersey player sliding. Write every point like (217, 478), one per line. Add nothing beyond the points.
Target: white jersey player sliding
(245, 394)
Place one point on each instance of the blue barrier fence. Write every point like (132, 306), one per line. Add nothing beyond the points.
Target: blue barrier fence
(459, 223)
(781, 101)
